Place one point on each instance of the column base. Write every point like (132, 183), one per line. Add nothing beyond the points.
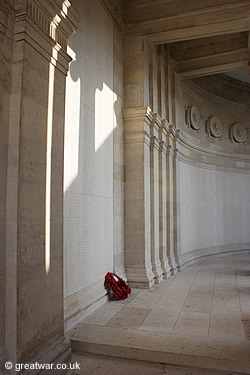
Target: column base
(166, 271)
(172, 265)
(139, 277)
(158, 274)
(180, 262)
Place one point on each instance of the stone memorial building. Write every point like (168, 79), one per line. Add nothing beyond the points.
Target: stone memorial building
(124, 147)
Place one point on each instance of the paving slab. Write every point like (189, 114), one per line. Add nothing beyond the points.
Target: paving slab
(227, 324)
(129, 317)
(193, 323)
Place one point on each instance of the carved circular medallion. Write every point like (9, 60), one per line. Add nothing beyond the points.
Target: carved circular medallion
(215, 127)
(238, 133)
(193, 118)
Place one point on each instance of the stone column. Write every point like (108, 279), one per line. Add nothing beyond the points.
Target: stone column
(137, 120)
(163, 200)
(6, 47)
(137, 197)
(154, 197)
(170, 200)
(34, 203)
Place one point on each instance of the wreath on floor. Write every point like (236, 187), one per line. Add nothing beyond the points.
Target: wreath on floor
(118, 286)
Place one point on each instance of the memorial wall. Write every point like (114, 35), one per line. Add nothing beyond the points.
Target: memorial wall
(214, 148)
(93, 171)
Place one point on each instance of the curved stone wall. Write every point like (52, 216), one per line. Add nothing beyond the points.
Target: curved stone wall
(187, 165)
(214, 165)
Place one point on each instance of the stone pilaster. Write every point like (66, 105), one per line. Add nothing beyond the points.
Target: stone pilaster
(170, 74)
(136, 72)
(170, 200)
(176, 202)
(137, 197)
(163, 206)
(34, 202)
(154, 197)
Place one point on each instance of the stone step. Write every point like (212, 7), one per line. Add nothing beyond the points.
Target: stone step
(232, 356)
(104, 365)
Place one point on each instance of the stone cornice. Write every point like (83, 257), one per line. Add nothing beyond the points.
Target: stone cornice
(56, 19)
(205, 163)
(205, 158)
(115, 13)
(181, 140)
(46, 26)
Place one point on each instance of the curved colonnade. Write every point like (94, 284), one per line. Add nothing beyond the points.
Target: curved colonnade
(193, 173)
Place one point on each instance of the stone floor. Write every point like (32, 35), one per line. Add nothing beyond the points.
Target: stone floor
(198, 318)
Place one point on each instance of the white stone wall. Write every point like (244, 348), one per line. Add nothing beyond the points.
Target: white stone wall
(88, 173)
(118, 155)
(215, 210)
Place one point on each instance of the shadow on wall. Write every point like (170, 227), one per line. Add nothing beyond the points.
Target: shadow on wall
(88, 170)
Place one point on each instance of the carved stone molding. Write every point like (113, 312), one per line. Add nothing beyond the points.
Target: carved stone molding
(154, 131)
(56, 19)
(192, 117)
(214, 127)
(46, 26)
(163, 134)
(208, 158)
(115, 12)
(238, 133)
(50, 27)
(137, 122)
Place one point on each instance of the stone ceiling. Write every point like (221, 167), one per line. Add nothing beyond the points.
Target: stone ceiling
(202, 37)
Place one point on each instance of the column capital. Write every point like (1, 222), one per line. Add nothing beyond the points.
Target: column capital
(137, 122)
(46, 26)
(155, 130)
(138, 114)
(156, 121)
(164, 130)
(163, 136)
